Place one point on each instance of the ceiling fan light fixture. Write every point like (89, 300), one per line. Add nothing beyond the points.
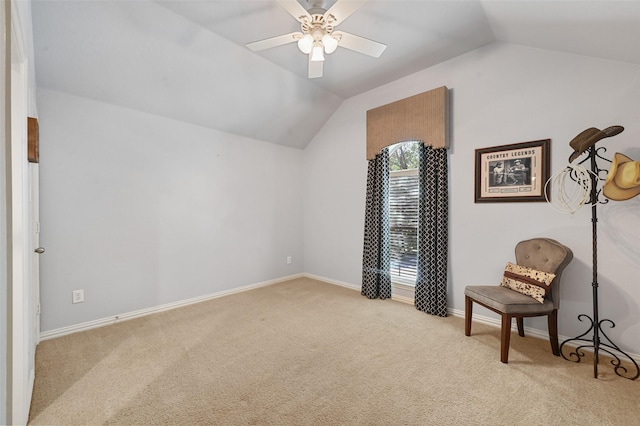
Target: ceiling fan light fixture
(305, 44)
(317, 52)
(316, 36)
(330, 43)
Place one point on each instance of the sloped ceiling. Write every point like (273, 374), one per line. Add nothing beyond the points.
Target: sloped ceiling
(187, 60)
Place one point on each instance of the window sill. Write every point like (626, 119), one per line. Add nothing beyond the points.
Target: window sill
(403, 292)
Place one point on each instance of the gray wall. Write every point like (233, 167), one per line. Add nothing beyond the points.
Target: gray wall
(501, 94)
(141, 211)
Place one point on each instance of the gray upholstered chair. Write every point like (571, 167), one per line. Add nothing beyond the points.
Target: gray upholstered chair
(543, 254)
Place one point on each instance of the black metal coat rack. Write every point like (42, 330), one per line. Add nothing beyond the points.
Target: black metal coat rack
(599, 341)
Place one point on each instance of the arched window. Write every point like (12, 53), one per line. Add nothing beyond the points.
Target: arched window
(398, 244)
(404, 191)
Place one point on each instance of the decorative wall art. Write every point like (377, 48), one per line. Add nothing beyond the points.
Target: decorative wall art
(516, 172)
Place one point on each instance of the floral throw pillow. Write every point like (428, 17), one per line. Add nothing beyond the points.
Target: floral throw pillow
(527, 281)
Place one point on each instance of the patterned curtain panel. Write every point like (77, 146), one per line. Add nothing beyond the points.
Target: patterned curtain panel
(431, 281)
(376, 278)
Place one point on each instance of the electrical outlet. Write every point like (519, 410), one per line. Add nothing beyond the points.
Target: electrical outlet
(78, 296)
(288, 260)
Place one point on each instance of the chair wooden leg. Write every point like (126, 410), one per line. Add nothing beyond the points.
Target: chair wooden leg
(505, 338)
(520, 322)
(468, 313)
(552, 319)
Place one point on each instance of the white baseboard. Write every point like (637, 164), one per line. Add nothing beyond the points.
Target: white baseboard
(403, 299)
(494, 322)
(354, 287)
(534, 332)
(332, 281)
(76, 328)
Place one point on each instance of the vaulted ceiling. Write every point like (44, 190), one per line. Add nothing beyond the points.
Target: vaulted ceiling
(187, 60)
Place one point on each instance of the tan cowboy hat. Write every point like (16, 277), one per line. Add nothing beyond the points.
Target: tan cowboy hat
(589, 137)
(623, 180)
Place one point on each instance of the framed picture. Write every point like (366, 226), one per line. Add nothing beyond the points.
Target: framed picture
(516, 172)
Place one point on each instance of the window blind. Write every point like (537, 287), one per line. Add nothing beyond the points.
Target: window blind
(404, 189)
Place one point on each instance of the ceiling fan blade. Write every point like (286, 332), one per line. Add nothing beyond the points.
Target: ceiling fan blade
(341, 9)
(295, 9)
(360, 44)
(315, 68)
(268, 43)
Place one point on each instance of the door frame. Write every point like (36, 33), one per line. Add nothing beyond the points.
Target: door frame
(5, 180)
(20, 351)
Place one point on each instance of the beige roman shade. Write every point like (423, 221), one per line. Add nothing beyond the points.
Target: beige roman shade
(423, 117)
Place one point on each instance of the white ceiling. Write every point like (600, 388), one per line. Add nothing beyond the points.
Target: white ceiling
(187, 60)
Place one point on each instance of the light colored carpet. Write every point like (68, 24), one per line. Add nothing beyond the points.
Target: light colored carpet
(303, 352)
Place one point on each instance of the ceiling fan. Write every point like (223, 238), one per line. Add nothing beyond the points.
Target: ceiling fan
(318, 36)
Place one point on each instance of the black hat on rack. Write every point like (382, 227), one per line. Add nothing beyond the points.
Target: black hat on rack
(589, 137)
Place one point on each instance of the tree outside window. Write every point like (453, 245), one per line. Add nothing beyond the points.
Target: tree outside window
(403, 209)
